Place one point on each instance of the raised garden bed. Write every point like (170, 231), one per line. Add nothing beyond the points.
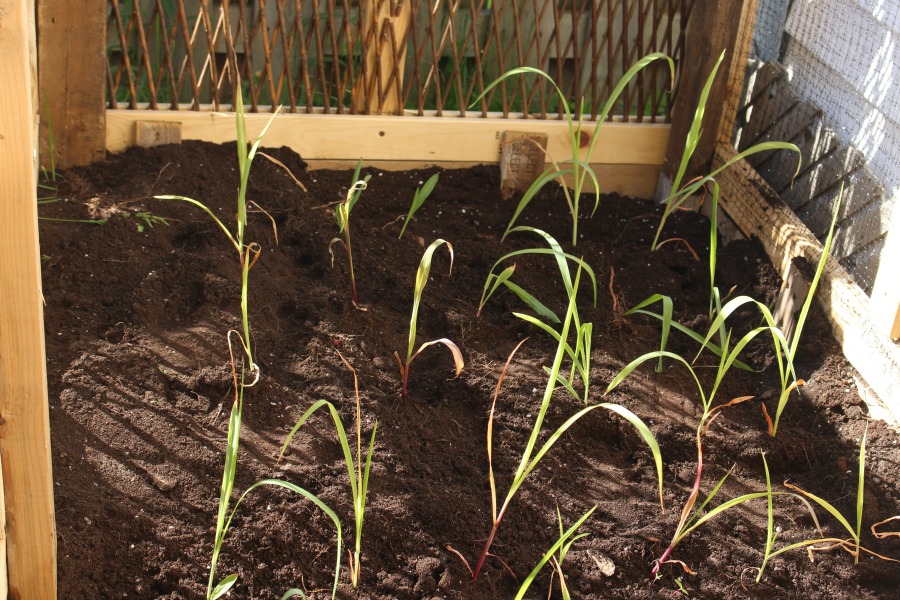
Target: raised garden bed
(137, 312)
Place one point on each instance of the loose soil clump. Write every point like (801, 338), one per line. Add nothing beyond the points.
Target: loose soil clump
(137, 312)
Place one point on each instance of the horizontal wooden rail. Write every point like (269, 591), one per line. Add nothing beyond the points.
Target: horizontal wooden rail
(628, 156)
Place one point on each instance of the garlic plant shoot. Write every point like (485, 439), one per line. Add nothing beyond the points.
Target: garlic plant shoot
(419, 198)
(421, 280)
(342, 215)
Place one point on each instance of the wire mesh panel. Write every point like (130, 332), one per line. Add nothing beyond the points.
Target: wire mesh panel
(380, 56)
(833, 95)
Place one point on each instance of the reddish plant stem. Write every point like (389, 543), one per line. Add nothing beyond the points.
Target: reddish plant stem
(405, 382)
(692, 499)
(487, 544)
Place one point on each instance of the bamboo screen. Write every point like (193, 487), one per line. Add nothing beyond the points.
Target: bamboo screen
(418, 57)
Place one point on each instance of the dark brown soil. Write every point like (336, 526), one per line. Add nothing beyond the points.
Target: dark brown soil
(141, 389)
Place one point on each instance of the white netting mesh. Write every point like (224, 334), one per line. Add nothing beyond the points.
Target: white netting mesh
(843, 57)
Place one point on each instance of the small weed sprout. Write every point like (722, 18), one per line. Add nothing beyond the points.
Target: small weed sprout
(421, 280)
(577, 167)
(342, 214)
(146, 220)
(562, 546)
(419, 199)
(530, 458)
(358, 474)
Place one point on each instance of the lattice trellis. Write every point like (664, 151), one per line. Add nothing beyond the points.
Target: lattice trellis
(373, 56)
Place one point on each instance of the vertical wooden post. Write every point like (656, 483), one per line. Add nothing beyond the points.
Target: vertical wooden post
(24, 415)
(4, 575)
(72, 84)
(884, 305)
(385, 27)
(713, 26)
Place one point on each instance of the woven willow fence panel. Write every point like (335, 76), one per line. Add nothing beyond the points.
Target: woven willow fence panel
(431, 57)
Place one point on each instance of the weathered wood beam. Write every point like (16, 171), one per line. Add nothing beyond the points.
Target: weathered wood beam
(713, 26)
(759, 212)
(72, 81)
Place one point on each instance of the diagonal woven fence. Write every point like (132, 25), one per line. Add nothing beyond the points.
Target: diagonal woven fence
(419, 57)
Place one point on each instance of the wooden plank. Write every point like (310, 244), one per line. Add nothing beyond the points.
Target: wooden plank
(386, 24)
(418, 139)
(24, 412)
(895, 330)
(825, 174)
(713, 26)
(759, 212)
(772, 99)
(632, 181)
(790, 300)
(886, 290)
(72, 86)
(814, 142)
(4, 575)
(863, 264)
(156, 133)
(803, 116)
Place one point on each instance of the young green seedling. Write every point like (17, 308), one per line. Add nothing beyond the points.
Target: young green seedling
(691, 519)
(419, 198)
(577, 166)
(680, 194)
(669, 323)
(785, 353)
(342, 214)
(562, 545)
(223, 519)
(247, 254)
(564, 550)
(359, 480)
(851, 545)
(530, 458)
(494, 281)
(421, 280)
(581, 353)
